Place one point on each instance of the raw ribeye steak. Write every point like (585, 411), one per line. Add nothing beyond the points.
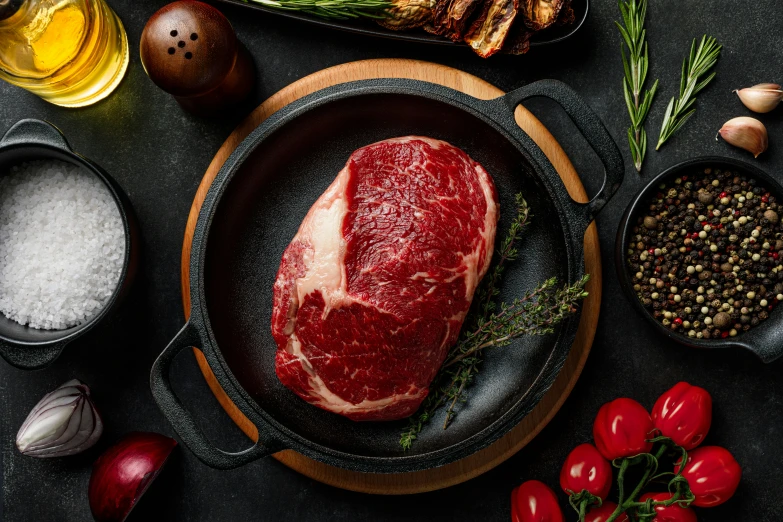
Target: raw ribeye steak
(373, 289)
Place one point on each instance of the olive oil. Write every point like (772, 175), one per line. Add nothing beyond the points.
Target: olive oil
(69, 52)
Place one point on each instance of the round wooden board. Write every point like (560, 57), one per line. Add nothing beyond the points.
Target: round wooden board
(517, 438)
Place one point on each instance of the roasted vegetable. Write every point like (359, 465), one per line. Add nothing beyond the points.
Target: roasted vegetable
(518, 40)
(540, 14)
(451, 18)
(567, 14)
(489, 26)
(407, 14)
(490, 30)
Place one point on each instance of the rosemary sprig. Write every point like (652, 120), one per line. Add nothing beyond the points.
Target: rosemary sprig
(535, 313)
(698, 63)
(331, 9)
(635, 66)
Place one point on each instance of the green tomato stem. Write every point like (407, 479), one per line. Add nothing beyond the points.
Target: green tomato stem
(625, 503)
(583, 510)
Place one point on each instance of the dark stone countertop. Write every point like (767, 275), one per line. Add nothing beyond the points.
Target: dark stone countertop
(159, 154)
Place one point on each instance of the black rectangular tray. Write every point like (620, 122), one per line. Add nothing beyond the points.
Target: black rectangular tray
(369, 28)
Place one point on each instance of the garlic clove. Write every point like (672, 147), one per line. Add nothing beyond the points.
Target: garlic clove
(772, 86)
(746, 133)
(761, 98)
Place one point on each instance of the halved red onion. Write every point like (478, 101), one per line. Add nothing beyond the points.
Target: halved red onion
(124, 472)
(64, 422)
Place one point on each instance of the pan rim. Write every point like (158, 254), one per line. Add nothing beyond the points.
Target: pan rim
(491, 112)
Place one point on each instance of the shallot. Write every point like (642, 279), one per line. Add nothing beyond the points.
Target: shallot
(64, 422)
(124, 472)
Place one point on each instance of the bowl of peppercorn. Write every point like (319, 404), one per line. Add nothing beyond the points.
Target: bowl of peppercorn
(699, 253)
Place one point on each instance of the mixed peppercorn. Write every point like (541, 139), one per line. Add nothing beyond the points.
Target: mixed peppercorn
(706, 256)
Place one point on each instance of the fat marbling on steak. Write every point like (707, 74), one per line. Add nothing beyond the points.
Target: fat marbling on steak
(373, 289)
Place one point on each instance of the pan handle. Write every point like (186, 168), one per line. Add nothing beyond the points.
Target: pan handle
(767, 343)
(591, 128)
(180, 418)
(29, 131)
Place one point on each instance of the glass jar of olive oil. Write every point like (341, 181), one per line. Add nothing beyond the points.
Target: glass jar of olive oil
(69, 52)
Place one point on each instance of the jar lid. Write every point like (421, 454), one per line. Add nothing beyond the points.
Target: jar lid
(188, 48)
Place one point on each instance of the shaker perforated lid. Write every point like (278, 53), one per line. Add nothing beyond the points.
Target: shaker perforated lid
(188, 48)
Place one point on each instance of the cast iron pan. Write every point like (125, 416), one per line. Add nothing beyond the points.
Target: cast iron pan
(255, 206)
(28, 348)
(766, 339)
(368, 28)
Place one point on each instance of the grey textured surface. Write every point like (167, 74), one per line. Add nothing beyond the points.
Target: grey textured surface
(159, 154)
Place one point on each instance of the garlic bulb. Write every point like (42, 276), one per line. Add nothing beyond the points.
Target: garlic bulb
(746, 133)
(762, 98)
(64, 422)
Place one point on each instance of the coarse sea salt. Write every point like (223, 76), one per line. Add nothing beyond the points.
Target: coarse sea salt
(62, 245)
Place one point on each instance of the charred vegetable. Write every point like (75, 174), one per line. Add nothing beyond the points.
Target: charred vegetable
(540, 14)
(518, 41)
(489, 26)
(451, 18)
(488, 33)
(407, 14)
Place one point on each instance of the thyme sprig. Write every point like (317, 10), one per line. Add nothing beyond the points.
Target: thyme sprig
(635, 66)
(698, 63)
(535, 313)
(486, 301)
(331, 9)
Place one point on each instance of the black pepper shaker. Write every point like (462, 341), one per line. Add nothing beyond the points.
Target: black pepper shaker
(190, 50)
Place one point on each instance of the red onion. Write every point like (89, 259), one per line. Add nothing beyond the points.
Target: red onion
(124, 472)
(64, 422)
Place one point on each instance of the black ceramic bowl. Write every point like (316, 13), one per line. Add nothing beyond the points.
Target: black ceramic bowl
(766, 339)
(255, 206)
(29, 348)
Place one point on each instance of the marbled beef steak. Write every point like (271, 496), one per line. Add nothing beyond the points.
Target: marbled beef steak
(374, 287)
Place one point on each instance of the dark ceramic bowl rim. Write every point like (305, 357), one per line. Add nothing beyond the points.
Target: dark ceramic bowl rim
(753, 339)
(37, 134)
(498, 113)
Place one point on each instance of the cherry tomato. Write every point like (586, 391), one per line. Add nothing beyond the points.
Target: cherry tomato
(586, 469)
(534, 501)
(621, 429)
(673, 513)
(713, 475)
(684, 414)
(602, 514)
